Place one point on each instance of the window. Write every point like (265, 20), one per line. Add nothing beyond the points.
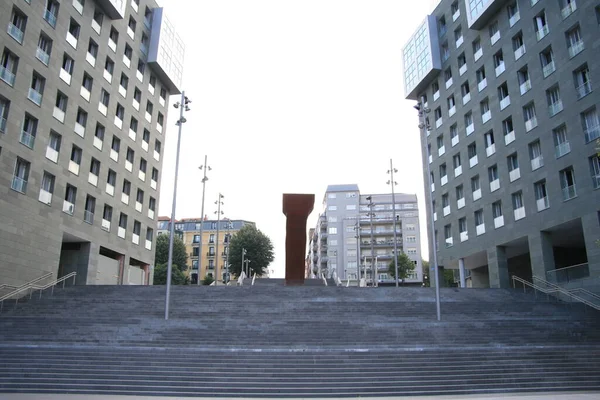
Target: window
(4, 107)
(460, 193)
(97, 21)
(113, 38)
(561, 142)
(36, 90)
(111, 178)
(144, 43)
(448, 77)
(456, 161)
(68, 65)
(139, 197)
(332, 208)
(131, 25)
(567, 183)
(351, 207)
(21, 175)
(472, 153)
(479, 222)
(44, 49)
(541, 25)
(143, 165)
(95, 167)
(574, 41)
(454, 135)
(438, 117)
(518, 45)
(512, 162)
(554, 102)
(127, 54)
(448, 235)
(29, 131)
(583, 84)
(16, 25)
(590, 124)
(481, 79)
(595, 171)
(486, 114)
(442, 26)
(53, 146)
(518, 207)
(87, 84)
(123, 221)
(163, 95)
(547, 59)
(76, 153)
(70, 199)
(535, 155)
(116, 144)
(493, 173)
(104, 97)
(74, 29)
(443, 173)
(513, 13)
(160, 119)
(435, 88)
(152, 204)
(90, 208)
(149, 107)
(530, 116)
(47, 188)
(475, 183)
(541, 195)
(124, 82)
(140, 70)
(477, 50)
(469, 123)
(508, 130)
(462, 64)
(109, 68)
(490, 143)
(332, 231)
(154, 175)
(51, 12)
(126, 187)
(462, 229)
(503, 96)
(494, 32)
(78, 5)
(440, 145)
(8, 69)
(81, 118)
(120, 112)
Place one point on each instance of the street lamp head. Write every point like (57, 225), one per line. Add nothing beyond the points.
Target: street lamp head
(187, 100)
(421, 125)
(417, 106)
(369, 198)
(187, 108)
(176, 105)
(395, 170)
(427, 110)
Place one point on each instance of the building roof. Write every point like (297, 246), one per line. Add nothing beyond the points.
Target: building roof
(343, 188)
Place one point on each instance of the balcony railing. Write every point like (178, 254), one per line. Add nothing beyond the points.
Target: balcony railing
(462, 69)
(562, 149)
(88, 217)
(35, 96)
(19, 184)
(2, 124)
(531, 123)
(525, 87)
(555, 108)
(592, 133)
(509, 138)
(27, 139)
(500, 68)
(542, 203)
(7, 76)
(514, 18)
(50, 18)
(42, 56)
(537, 162)
(576, 48)
(596, 181)
(499, 222)
(568, 9)
(584, 89)
(519, 52)
(548, 69)
(519, 213)
(541, 33)
(569, 192)
(480, 229)
(505, 102)
(15, 32)
(570, 273)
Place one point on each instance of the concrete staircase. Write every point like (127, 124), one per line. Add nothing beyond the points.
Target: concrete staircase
(274, 341)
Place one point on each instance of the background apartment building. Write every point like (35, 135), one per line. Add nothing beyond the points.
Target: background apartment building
(345, 236)
(508, 125)
(83, 99)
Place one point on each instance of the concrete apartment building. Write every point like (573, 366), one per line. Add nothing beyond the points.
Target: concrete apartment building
(190, 229)
(84, 89)
(509, 120)
(343, 238)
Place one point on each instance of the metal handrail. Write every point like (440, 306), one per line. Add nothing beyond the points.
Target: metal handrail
(253, 279)
(45, 276)
(563, 268)
(324, 280)
(554, 290)
(31, 286)
(574, 290)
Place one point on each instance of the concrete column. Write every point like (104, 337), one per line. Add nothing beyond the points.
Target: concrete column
(146, 269)
(122, 259)
(461, 271)
(541, 254)
(480, 278)
(498, 267)
(297, 208)
(591, 233)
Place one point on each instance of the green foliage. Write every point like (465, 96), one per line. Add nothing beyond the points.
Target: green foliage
(177, 276)
(179, 252)
(259, 250)
(449, 278)
(207, 280)
(426, 272)
(405, 267)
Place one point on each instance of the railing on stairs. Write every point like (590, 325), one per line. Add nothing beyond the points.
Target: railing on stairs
(554, 290)
(324, 280)
(31, 287)
(253, 279)
(570, 273)
(580, 292)
(240, 281)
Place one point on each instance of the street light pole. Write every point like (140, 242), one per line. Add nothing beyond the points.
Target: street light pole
(226, 245)
(370, 198)
(183, 106)
(393, 183)
(217, 255)
(204, 167)
(243, 266)
(357, 236)
(424, 126)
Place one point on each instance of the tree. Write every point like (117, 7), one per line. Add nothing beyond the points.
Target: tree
(426, 272)
(405, 267)
(207, 280)
(177, 276)
(259, 250)
(179, 252)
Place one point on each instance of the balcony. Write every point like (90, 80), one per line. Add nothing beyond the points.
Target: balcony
(470, 129)
(499, 222)
(93, 179)
(157, 156)
(494, 185)
(519, 213)
(112, 45)
(144, 145)
(150, 214)
(125, 198)
(514, 174)
(584, 89)
(441, 151)
(482, 84)
(72, 40)
(542, 33)
(464, 236)
(500, 68)
(15, 32)
(107, 76)
(110, 189)
(455, 140)
(96, 26)
(525, 87)
(58, 114)
(45, 197)
(114, 155)
(495, 37)
(592, 133)
(85, 94)
(520, 52)
(569, 192)
(449, 83)
(35, 96)
(127, 61)
(42, 56)
(466, 98)
(68, 207)
(18, 184)
(568, 9)
(102, 108)
(458, 171)
(73, 167)
(7, 76)
(89, 57)
(542, 203)
(136, 104)
(432, 187)
(118, 122)
(27, 139)
(128, 166)
(537, 162)
(444, 180)
(514, 19)
(148, 244)
(138, 206)
(477, 194)
(88, 217)
(462, 69)
(142, 176)
(549, 69)
(478, 54)
(555, 108)
(438, 122)
(509, 138)
(491, 149)
(456, 15)
(449, 242)
(50, 18)
(121, 232)
(153, 184)
(135, 238)
(79, 129)
(122, 91)
(486, 116)
(65, 76)
(576, 48)
(459, 42)
(446, 210)
(436, 95)
(531, 123)
(473, 161)
(505, 102)
(132, 134)
(106, 225)
(480, 229)
(562, 149)
(51, 154)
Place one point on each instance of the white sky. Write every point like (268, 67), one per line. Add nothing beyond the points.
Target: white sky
(320, 77)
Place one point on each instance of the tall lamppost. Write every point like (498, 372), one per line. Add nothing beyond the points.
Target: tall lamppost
(226, 245)
(183, 106)
(424, 126)
(217, 256)
(394, 183)
(243, 266)
(204, 167)
(373, 267)
(357, 236)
